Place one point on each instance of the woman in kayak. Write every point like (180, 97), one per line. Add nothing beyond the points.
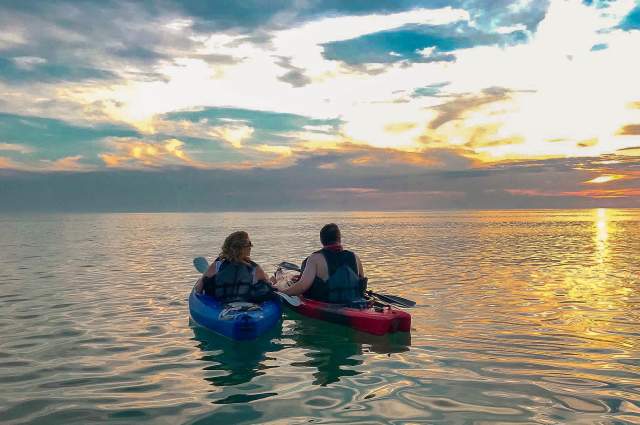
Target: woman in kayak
(233, 276)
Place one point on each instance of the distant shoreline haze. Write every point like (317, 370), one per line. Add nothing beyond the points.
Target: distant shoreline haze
(260, 190)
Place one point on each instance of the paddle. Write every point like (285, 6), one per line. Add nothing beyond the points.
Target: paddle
(391, 299)
(202, 265)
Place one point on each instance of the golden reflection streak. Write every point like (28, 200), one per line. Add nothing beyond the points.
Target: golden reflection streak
(605, 178)
(602, 234)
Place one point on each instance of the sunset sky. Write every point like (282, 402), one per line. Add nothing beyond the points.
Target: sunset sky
(309, 104)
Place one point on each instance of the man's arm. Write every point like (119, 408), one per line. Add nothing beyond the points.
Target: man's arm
(359, 264)
(306, 280)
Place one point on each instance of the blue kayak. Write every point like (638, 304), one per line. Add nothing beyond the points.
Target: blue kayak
(236, 320)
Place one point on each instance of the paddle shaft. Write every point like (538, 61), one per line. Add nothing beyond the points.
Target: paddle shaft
(392, 299)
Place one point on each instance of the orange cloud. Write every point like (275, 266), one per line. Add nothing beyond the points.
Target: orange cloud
(605, 178)
(363, 160)
(234, 132)
(485, 136)
(69, 163)
(6, 163)
(588, 143)
(16, 148)
(463, 105)
(328, 166)
(629, 130)
(595, 193)
(399, 127)
(133, 153)
(352, 190)
(634, 151)
(276, 149)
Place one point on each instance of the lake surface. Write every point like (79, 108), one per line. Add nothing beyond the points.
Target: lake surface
(523, 317)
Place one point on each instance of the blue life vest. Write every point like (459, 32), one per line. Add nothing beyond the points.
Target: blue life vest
(232, 281)
(343, 286)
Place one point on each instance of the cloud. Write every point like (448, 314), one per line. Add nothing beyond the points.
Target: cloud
(46, 166)
(7, 163)
(630, 151)
(70, 163)
(399, 127)
(253, 89)
(482, 137)
(604, 179)
(630, 130)
(78, 41)
(295, 76)
(134, 153)
(25, 70)
(249, 17)
(16, 148)
(51, 139)
(593, 193)
(459, 106)
(240, 126)
(356, 159)
(28, 62)
(307, 185)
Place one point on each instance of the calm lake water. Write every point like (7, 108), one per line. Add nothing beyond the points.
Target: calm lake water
(523, 317)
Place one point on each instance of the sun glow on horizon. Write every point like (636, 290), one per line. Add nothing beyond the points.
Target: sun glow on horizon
(605, 179)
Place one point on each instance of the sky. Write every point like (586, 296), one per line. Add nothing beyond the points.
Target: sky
(319, 105)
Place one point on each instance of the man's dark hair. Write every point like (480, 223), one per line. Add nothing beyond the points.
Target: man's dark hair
(329, 234)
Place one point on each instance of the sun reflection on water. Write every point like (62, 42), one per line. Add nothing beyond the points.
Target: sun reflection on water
(602, 217)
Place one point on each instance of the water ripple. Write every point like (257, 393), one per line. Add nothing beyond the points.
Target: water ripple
(522, 317)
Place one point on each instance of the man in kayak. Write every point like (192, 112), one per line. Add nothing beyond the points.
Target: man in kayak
(332, 274)
(233, 276)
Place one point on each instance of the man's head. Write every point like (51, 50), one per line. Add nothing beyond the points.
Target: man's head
(330, 234)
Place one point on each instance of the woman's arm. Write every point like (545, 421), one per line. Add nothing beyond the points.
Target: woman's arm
(211, 271)
(260, 274)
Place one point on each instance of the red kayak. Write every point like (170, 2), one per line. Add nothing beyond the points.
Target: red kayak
(375, 319)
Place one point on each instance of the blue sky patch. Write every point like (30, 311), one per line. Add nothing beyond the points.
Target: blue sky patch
(407, 42)
(601, 46)
(48, 72)
(632, 20)
(55, 139)
(267, 126)
(430, 90)
(600, 4)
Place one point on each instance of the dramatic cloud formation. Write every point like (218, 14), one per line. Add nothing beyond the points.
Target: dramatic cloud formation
(288, 104)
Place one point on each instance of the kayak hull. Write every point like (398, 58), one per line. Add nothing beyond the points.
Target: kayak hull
(376, 321)
(237, 321)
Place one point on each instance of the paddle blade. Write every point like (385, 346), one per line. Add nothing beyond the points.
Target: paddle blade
(201, 264)
(292, 300)
(289, 266)
(393, 299)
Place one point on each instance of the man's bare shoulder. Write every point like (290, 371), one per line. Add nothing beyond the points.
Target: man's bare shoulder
(315, 257)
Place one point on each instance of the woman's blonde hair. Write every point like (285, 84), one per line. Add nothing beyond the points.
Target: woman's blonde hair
(233, 247)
